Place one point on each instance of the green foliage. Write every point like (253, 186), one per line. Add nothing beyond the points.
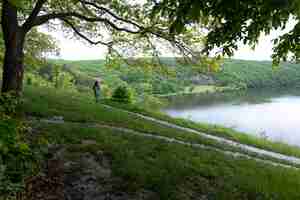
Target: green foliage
(9, 103)
(165, 86)
(143, 88)
(35, 79)
(57, 76)
(16, 157)
(287, 44)
(106, 91)
(123, 94)
(229, 22)
(139, 36)
(234, 74)
(254, 74)
(19, 3)
(37, 46)
(142, 81)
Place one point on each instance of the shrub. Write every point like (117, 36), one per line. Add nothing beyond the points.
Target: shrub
(16, 157)
(106, 91)
(123, 94)
(9, 103)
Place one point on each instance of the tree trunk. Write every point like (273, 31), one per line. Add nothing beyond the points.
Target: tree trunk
(14, 36)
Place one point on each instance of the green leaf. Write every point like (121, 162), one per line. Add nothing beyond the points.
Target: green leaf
(18, 3)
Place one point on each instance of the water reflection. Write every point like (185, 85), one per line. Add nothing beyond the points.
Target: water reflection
(272, 113)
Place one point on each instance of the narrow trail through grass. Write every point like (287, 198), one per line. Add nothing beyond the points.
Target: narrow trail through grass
(76, 107)
(275, 162)
(173, 162)
(172, 169)
(275, 155)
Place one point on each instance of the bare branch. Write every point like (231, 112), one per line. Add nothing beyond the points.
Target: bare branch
(30, 20)
(76, 31)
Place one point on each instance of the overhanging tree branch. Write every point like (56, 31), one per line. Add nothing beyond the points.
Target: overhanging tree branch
(111, 13)
(62, 16)
(77, 32)
(30, 20)
(67, 16)
(141, 30)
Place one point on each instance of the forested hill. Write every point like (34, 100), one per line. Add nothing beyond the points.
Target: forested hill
(258, 74)
(235, 73)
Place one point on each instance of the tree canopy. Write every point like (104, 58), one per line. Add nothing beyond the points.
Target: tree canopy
(124, 26)
(37, 46)
(118, 24)
(230, 21)
(129, 27)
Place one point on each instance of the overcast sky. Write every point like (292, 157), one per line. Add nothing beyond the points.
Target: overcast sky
(77, 50)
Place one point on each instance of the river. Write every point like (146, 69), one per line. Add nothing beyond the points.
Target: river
(270, 113)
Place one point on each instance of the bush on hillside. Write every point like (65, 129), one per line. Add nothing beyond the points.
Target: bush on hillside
(17, 160)
(123, 94)
(9, 103)
(106, 91)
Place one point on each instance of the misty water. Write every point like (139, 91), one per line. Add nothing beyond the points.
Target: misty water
(271, 113)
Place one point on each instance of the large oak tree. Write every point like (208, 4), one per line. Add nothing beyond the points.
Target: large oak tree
(112, 23)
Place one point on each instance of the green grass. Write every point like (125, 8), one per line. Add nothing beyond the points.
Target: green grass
(172, 170)
(75, 107)
(176, 171)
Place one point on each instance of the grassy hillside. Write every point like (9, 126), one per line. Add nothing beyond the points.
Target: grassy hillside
(169, 170)
(173, 171)
(140, 163)
(81, 108)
